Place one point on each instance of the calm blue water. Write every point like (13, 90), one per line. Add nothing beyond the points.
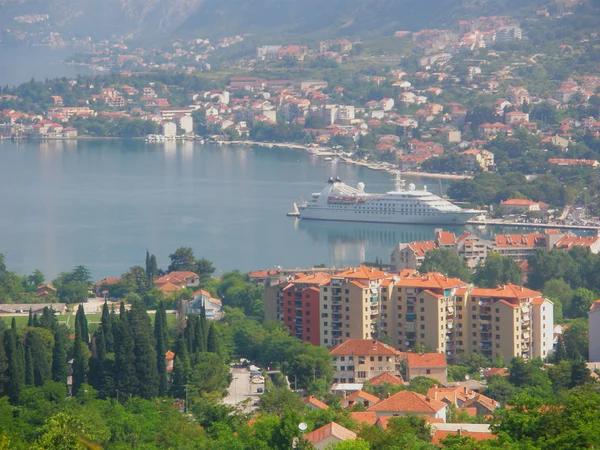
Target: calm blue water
(21, 63)
(103, 203)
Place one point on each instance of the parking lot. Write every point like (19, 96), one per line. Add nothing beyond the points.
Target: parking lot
(242, 390)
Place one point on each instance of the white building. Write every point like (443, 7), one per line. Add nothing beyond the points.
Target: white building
(169, 130)
(186, 124)
(542, 320)
(594, 331)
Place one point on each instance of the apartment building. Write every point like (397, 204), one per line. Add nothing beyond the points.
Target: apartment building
(499, 321)
(594, 331)
(421, 308)
(359, 360)
(350, 305)
(300, 304)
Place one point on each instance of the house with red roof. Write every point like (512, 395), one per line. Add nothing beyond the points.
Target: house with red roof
(329, 435)
(407, 402)
(359, 398)
(359, 360)
(386, 378)
(430, 365)
(410, 255)
(314, 403)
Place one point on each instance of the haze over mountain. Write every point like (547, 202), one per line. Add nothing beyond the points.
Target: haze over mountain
(318, 18)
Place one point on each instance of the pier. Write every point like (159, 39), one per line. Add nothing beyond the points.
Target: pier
(507, 223)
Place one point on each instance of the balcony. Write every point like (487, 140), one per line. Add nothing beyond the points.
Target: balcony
(336, 334)
(336, 316)
(485, 318)
(411, 316)
(486, 337)
(525, 319)
(337, 326)
(298, 306)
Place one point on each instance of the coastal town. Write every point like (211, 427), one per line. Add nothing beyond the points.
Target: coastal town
(472, 323)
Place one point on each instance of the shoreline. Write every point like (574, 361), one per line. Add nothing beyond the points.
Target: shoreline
(328, 152)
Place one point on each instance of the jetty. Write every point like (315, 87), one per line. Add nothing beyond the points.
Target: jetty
(508, 223)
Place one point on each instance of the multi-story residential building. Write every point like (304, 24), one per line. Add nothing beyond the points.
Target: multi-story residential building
(498, 321)
(301, 306)
(421, 308)
(542, 323)
(350, 305)
(359, 360)
(411, 255)
(594, 331)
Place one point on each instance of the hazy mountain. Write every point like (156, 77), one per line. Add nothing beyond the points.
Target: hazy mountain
(105, 18)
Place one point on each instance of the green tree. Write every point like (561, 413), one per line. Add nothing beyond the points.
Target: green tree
(125, 370)
(107, 327)
(160, 334)
(447, 262)
(81, 325)
(182, 259)
(14, 381)
(144, 351)
(581, 302)
(181, 369)
(79, 368)
(498, 270)
(204, 268)
(35, 349)
(576, 339)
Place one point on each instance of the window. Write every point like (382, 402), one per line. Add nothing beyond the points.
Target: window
(342, 358)
(342, 367)
(379, 358)
(422, 318)
(474, 317)
(422, 335)
(325, 306)
(372, 358)
(422, 327)
(325, 323)
(326, 340)
(428, 371)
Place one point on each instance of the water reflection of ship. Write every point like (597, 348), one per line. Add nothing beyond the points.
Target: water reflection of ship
(375, 233)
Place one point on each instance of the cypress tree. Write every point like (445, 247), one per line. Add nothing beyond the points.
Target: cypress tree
(561, 351)
(153, 268)
(181, 369)
(189, 334)
(29, 376)
(20, 353)
(124, 366)
(148, 274)
(13, 325)
(3, 362)
(30, 320)
(81, 325)
(144, 350)
(36, 321)
(13, 380)
(48, 319)
(212, 343)
(107, 328)
(60, 369)
(78, 366)
(161, 348)
(38, 365)
(199, 337)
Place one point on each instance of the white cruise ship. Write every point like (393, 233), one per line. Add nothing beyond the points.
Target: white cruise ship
(338, 201)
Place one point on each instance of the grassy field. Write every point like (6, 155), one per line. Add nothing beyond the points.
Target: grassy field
(93, 320)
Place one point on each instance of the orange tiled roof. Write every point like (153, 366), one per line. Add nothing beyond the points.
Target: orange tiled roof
(411, 402)
(175, 277)
(431, 280)
(386, 377)
(421, 248)
(262, 273)
(446, 238)
(363, 395)
(517, 202)
(362, 273)
(364, 417)
(108, 281)
(575, 241)
(425, 359)
(331, 429)
(363, 347)
(168, 287)
(503, 372)
(520, 240)
(439, 435)
(315, 402)
(506, 291)
(318, 278)
(170, 356)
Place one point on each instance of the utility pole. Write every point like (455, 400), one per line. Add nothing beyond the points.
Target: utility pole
(295, 383)
(314, 375)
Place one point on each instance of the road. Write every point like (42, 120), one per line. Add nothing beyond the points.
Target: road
(241, 389)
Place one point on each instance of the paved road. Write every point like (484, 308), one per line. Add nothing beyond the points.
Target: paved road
(241, 389)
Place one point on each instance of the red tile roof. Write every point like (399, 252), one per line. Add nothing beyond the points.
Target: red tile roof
(364, 417)
(363, 395)
(507, 291)
(386, 377)
(409, 402)
(362, 273)
(425, 359)
(331, 429)
(503, 372)
(421, 248)
(439, 435)
(363, 347)
(318, 278)
(315, 402)
(520, 240)
(431, 280)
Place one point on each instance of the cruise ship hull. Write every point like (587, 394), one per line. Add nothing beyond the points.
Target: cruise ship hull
(450, 218)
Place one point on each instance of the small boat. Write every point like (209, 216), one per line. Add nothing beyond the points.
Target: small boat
(329, 158)
(294, 212)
